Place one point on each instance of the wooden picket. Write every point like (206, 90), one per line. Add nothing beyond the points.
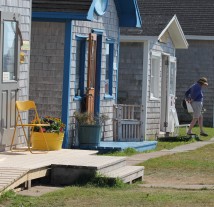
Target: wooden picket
(127, 122)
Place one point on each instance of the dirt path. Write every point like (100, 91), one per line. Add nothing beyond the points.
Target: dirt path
(176, 178)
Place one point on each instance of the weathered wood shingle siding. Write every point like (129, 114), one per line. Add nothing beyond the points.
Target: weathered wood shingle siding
(154, 107)
(196, 17)
(109, 24)
(22, 7)
(81, 6)
(194, 63)
(130, 76)
(48, 57)
(47, 64)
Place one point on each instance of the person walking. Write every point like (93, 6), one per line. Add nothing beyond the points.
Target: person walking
(194, 95)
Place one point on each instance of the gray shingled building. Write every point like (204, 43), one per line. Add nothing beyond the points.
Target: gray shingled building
(53, 68)
(196, 19)
(59, 75)
(147, 71)
(14, 30)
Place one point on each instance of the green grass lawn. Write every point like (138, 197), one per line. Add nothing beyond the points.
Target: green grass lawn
(169, 144)
(113, 197)
(193, 167)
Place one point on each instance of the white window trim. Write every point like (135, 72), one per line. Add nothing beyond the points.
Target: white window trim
(173, 60)
(155, 55)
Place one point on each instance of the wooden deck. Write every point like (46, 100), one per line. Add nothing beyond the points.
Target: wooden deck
(22, 167)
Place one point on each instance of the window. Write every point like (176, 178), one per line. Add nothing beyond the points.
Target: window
(109, 67)
(80, 66)
(9, 54)
(172, 78)
(155, 76)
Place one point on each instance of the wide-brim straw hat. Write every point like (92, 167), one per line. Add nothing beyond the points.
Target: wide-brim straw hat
(203, 81)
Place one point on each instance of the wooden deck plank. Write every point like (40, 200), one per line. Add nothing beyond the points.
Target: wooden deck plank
(19, 167)
(36, 161)
(11, 171)
(14, 165)
(125, 171)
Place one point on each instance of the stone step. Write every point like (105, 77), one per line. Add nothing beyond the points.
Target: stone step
(127, 173)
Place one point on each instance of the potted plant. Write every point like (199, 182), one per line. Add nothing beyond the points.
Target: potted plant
(54, 134)
(89, 128)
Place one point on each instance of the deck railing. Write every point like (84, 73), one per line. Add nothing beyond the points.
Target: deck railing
(127, 122)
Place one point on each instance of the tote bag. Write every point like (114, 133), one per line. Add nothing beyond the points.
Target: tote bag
(189, 107)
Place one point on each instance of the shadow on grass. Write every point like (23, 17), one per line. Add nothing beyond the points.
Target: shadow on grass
(177, 139)
(98, 180)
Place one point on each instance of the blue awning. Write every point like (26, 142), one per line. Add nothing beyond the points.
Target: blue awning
(128, 13)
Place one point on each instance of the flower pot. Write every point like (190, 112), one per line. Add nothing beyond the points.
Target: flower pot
(89, 135)
(54, 141)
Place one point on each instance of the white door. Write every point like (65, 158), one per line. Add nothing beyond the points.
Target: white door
(168, 94)
(8, 76)
(172, 90)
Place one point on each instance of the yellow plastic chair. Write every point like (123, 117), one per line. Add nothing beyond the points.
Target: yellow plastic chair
(27, 106)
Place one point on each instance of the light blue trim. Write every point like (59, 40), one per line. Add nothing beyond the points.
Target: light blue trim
(59, 15)
(108, 97)
(77, 98)
(97, 31)
(90, 15)
(138, 19)
(81, 37)
(98, 7)
(66, 80)
(110, 40)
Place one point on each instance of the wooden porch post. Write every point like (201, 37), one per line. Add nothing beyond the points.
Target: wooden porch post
(91, 73)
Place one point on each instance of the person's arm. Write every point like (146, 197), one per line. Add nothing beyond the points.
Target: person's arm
(195, 92)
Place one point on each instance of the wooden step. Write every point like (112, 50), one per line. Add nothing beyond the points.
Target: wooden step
(62, 174)
(112, 164)
(127, 173)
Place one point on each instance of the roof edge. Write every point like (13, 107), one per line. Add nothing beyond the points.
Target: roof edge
(199, 37)
(176, 34)
(137, 38)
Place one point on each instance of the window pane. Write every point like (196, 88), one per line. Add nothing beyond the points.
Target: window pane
(172, 78)
(78, 59)
(86, 69)
(9, 51)
(107, 69)
(155, 68)
(107, 61)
